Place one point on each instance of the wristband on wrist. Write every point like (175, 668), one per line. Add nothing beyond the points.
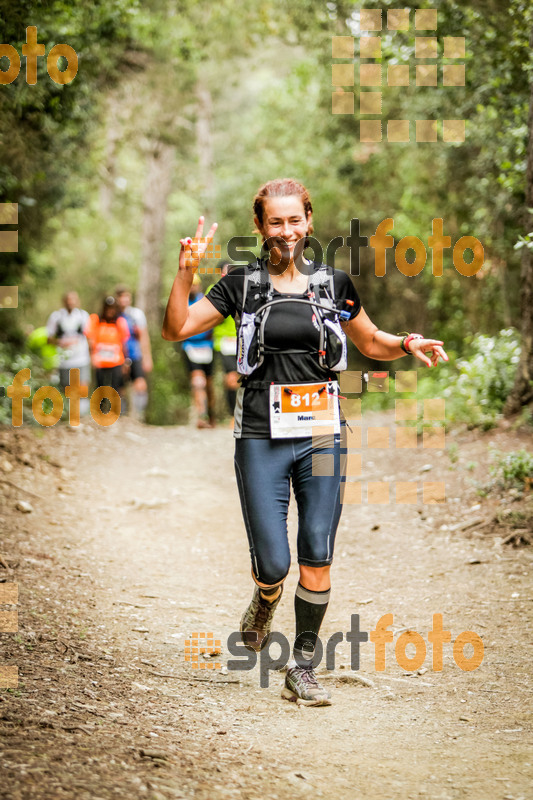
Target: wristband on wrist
(407, 340)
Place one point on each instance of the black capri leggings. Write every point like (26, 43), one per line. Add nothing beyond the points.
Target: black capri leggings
(264, 469)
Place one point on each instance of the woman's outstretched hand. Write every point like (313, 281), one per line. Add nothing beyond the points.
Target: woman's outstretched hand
(193, 250)
(427, 350)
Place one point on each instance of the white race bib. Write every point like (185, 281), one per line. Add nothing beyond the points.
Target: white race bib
(202, 354)
(303, 409)
(107, 352)
(228, 346)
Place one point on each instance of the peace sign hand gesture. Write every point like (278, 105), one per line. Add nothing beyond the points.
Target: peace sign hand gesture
(193, 250)
(421, 348)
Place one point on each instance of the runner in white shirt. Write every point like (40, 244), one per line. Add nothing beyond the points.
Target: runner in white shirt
(66, 330)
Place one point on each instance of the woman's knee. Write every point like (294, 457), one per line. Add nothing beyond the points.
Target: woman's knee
(272, 571)
(316, 579)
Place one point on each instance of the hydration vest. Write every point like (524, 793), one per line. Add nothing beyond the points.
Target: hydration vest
(258, 299)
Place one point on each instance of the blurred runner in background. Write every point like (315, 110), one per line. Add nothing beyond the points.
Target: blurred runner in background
(108, 334)
(138, 348)
(225, 345)
(198, 354)
(65, 329)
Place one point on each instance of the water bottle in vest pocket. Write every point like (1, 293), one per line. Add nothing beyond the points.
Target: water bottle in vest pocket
(335, 346)
(247, 344)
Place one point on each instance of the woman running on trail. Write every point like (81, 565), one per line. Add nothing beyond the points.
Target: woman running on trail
(292, 319)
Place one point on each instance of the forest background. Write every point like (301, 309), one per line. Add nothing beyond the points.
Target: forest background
(181, 108)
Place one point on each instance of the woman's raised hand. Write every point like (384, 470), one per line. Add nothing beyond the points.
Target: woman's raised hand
(193, 250)
(427, 350)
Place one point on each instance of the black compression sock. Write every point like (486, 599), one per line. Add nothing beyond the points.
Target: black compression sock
(310, 608)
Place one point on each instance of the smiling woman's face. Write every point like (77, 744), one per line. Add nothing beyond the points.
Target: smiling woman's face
(284, 217)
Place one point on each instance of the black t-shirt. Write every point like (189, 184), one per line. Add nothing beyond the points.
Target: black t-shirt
(289, 325)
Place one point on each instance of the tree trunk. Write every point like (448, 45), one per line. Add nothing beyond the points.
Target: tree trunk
(522, 391)
(108, 170)
(158, 185)
(204, 141)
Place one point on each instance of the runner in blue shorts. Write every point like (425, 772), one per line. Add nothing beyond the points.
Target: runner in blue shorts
(292, 318)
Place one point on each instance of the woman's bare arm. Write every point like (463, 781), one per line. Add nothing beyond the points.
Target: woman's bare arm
(382, 346)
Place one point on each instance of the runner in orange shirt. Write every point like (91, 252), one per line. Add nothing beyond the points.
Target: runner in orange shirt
(107, 334)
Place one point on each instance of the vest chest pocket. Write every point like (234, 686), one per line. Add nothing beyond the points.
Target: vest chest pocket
(247, 344)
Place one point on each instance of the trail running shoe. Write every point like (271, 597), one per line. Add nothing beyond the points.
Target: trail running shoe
(257, 621)
(302, 687)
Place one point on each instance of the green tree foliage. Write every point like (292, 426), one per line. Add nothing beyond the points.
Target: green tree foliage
(43, 127)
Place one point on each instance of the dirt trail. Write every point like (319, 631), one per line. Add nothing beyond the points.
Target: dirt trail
(136, 541)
